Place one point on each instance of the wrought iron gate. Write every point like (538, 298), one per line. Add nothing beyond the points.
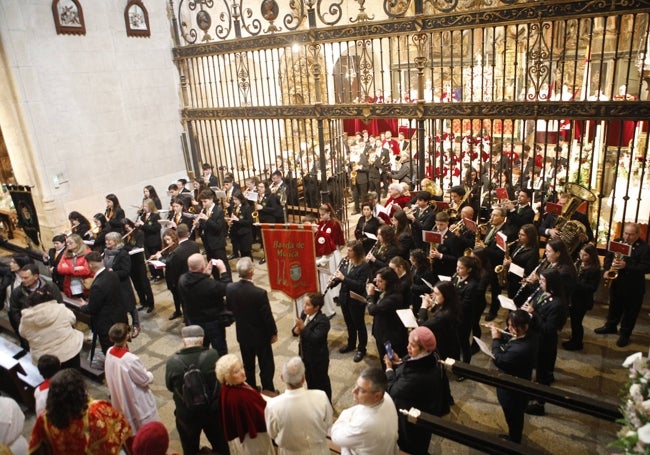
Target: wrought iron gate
(267, 85)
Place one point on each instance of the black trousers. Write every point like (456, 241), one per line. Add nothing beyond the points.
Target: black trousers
(264, 354)
(189, 427)
(317, 377)
(513, 405)
(353, 315)
(577, 312)
(140, 281)
(624, 306)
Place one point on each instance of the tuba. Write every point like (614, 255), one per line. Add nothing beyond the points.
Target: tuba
(570, 230)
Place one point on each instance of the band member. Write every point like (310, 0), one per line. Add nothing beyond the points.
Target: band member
(514, 355)
(278, 187)
(240, 227)
(114, 213)
(212, 227)
(329, 236)
(444, 256)
(548, 230)
(366, 223)
(79, 225)
(384, 250)
(548, 306)
(420, 272)
(523, 213)
(498, 224)
(353, 275)
(178, 214)
(269, 210)
(458, 200)
(176, 193)
(359, 179)
(524, 253)
(441, 312)
(466, 282)
(583, 296)
(467, 237)
(626, 292)
(149, 224)
(208, 177)
(231, 191)
(134, 240)
(403, 232)
(375, 206)
(422, 218)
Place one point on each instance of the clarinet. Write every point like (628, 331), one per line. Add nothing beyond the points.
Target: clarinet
(335, 281)
(542, 265)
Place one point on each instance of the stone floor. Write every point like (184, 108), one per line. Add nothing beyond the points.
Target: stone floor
(596, 372)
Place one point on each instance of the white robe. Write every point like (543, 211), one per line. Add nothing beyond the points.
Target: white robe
(12, 421)
(128, 383)
(298, 421)
(367, 430)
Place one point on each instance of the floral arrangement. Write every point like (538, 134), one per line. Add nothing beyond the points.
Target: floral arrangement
(634, 436)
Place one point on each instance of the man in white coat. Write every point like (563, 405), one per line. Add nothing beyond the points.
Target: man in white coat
(299, 419)
(370, 427)
(128, 380)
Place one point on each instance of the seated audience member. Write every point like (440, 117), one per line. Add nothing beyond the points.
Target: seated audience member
(48, 366)
(75, 423)
(128, 380)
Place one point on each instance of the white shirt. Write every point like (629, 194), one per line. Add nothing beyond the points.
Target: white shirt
(367, 430)
(12, 421)
(298, 421)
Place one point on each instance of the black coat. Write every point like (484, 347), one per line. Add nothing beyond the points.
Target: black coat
(424, 220)
(122, 267)
(444, 326)
(176, 263)
(386, 325)
(253, 317)
(586, 285)
(363, 226)
(213, 230)
(354, 280)
(528, 258)
(517, 218)
(451, 249)
(105, 302)
(203, 296)
(313, 341)
(151, 229)
(271, 211)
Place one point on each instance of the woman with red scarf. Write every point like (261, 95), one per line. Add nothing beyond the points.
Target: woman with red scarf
(242, 410)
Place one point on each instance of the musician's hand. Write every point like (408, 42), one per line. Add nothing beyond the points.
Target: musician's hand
(370, 257)
(507, 262)
(234, 218)
(300, 324)
(495, 332)
(338, 274)
(370, 289)
(156, 256)
(619, 264)
(527, 307)
(258, 207)
(553, 233)
(427, 301)
(274, 339)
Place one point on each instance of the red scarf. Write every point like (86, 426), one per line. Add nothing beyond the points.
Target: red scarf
(242, 411)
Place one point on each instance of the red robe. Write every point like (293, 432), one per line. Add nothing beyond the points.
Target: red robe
(242, 411)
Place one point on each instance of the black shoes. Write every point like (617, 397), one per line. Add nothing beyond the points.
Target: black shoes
(535, 408)
(150, 309)
(175, 314)
(490, 317)
(262, 261)
(346, 349)
(623, 341)
(605, 329)
(572, 345)
(359, 356)
(142, 308)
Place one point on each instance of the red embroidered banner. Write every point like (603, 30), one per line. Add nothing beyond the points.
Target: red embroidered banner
(291, 258)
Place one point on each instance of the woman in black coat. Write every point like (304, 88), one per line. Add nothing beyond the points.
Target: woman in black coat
(514, 355)
(440, 312)
(384, 250)
(466, 282)
(241, 227)
(417, 381)
(549, 309)
(103, 228)
(312, 327)
(383, 301)
(367, 223)
(582, 300)
(133, 242)
(148, 223)
(524, 253)
(420, 272)
(114, 213)
(117, 259)
(353, 276)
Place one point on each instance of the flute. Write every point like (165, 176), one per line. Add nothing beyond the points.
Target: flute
(501, 331)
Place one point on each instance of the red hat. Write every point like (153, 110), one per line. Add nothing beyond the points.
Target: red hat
(152, 439)
(425, 337)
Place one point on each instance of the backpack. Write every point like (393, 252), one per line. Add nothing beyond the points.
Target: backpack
(194, 391)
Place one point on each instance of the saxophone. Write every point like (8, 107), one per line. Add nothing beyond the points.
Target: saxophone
(612, 274)
(502, 270)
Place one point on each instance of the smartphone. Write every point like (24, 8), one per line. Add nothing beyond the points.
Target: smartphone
(389, 350)
(213, 262)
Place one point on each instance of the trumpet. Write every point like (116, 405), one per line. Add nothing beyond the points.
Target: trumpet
(479, 230)
(458, 228)
(611, 274)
